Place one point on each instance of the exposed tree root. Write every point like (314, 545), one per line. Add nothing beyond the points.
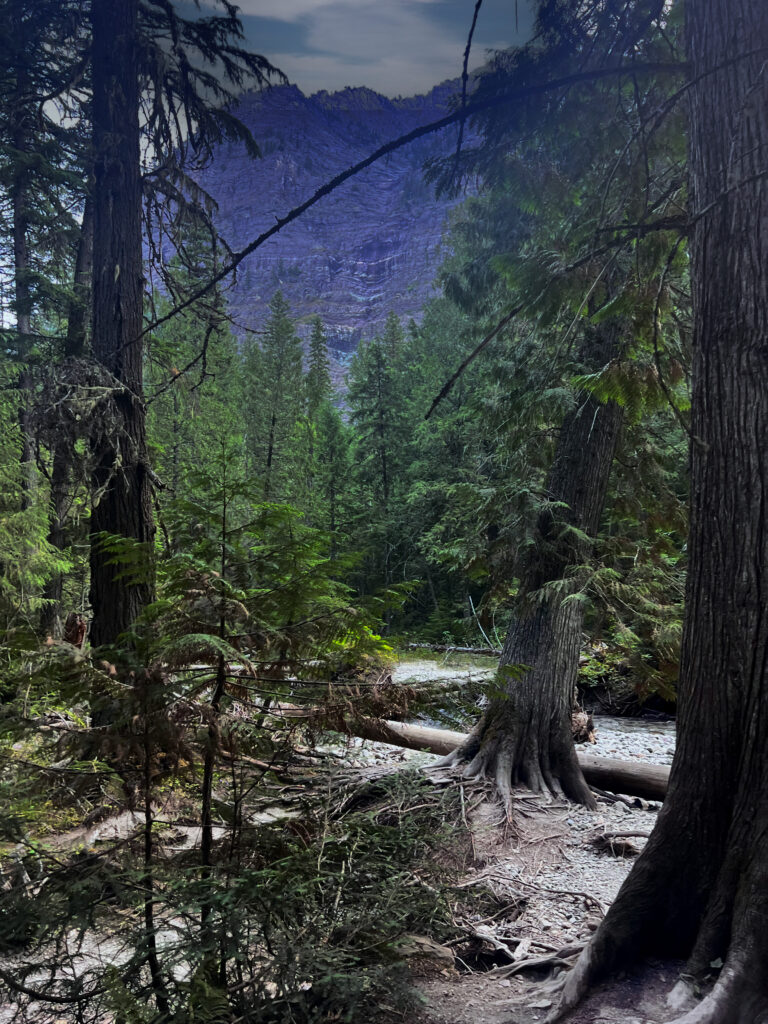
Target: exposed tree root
(666, 907)
(510, 755)
(738, 997)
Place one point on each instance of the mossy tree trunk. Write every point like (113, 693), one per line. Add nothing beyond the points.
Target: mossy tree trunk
(700, 889)
(525, 734)
(123, 505)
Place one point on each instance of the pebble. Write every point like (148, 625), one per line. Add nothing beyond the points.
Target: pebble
(628, 738)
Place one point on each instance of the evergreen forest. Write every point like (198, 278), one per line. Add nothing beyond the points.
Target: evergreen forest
(427, 684)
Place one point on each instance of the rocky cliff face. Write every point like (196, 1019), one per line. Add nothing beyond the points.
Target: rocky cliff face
(370, 247)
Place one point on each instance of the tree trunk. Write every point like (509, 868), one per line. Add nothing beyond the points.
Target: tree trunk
(122, 498)
(23, 115)
(700, 888)
(632, 778)
(525, 735)
(270, 453)
(77, 331)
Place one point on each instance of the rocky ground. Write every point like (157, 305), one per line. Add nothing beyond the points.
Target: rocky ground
(557, 868)
(553, 872)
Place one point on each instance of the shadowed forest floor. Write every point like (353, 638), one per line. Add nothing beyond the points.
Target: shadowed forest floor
(550, 877)
(522, 898)
(553, 874)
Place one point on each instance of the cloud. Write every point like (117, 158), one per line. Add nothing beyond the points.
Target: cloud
(295, 10)
(398, 48)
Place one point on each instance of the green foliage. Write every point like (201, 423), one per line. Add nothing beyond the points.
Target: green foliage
(298, 525)
(273, 400)
(248, 596)
(377, 405)
(318, 377)
(332, 904)
(27, 558)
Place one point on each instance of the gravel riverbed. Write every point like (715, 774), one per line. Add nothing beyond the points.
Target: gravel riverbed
(641, 739)
(625, 739)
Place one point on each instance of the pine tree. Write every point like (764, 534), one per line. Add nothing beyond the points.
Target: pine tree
(698, 891)
(392, 339)
(193, 375)
(525, 734)
(377, 409)
(273, 399)
(141, 51)
(333, 464)
(318, 377)
(121, 479)
(40, 53)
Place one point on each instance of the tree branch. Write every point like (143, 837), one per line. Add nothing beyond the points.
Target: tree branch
(464, 80)
(448, 386)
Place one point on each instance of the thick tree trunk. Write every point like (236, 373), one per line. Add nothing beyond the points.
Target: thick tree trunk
(635, 779)
(122, 498)
(700, 888)
(525, 735)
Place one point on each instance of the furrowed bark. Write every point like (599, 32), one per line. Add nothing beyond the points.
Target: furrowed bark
(700, 888)
(525, 736)
(121, 484)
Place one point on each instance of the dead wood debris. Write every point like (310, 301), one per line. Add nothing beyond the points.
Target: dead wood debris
(486, 652)
(617, 844)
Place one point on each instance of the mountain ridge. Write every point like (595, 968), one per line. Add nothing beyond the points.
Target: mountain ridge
(371, 246)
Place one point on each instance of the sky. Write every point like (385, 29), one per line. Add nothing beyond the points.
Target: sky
(397, 47)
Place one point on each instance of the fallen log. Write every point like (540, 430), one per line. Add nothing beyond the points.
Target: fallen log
(635, 779)
(486, 652)
(648, 781)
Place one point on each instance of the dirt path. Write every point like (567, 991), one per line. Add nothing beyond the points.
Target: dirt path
(556, 871)
(545, 883)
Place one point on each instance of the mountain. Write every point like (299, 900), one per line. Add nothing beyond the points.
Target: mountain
(368, 248)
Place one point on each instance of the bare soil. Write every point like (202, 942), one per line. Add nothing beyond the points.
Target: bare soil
(559, 868)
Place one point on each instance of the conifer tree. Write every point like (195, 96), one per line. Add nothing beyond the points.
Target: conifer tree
(374, 407)
(378, 411)
(273, 398)
(121, 478)
(40, 55)
(194, 383)
(525, 735)
(697, 892)
(148, 54)
(392, 338)
(318, 390)
(333, 462)
(318, 378)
